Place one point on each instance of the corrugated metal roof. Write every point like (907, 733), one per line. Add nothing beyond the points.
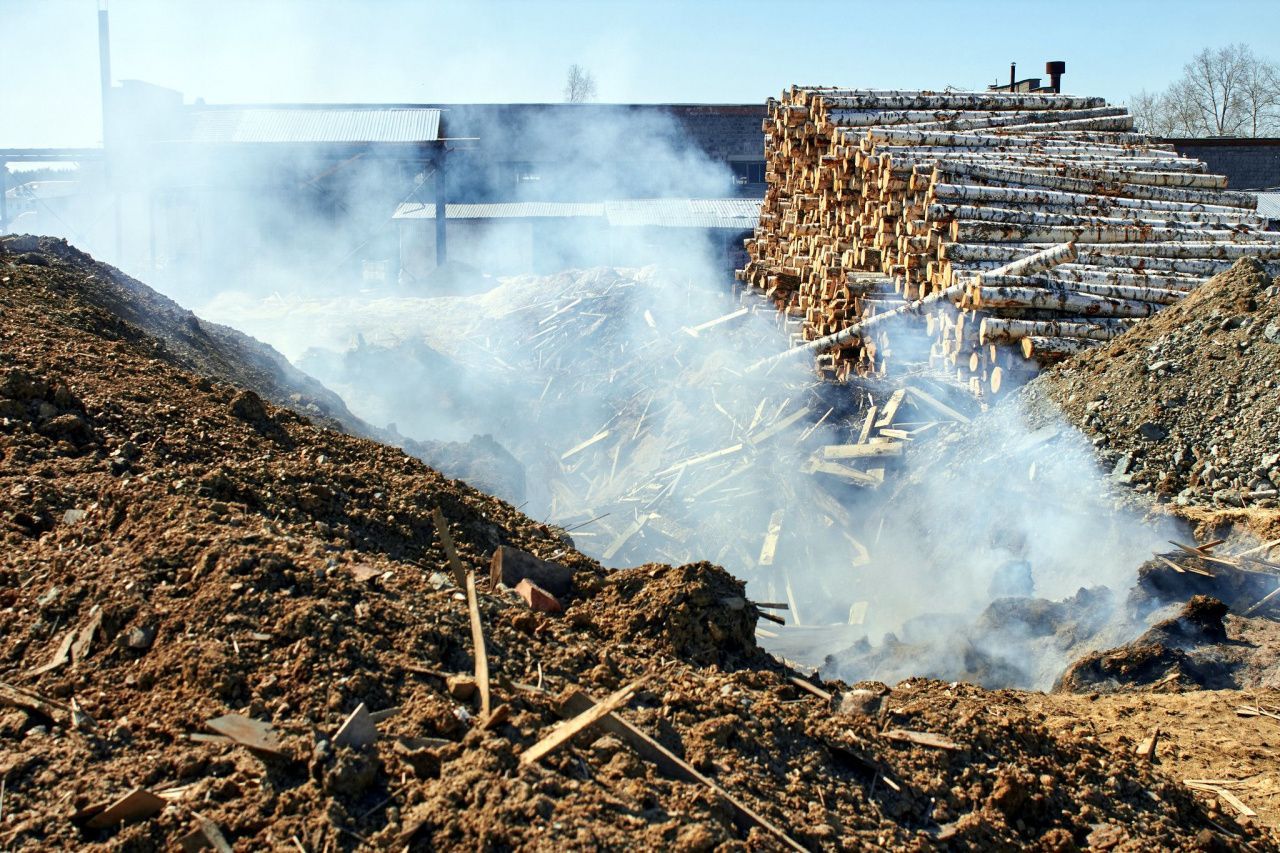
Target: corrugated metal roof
(1269, 205)
(729, 213)
(502, 210)
(323, 124)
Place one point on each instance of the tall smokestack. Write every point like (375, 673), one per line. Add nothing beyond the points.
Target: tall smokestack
(104, 64)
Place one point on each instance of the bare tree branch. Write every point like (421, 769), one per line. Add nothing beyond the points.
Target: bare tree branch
(580, 86)
(1229, 91)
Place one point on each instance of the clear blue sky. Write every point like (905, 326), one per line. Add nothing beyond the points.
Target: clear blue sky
(235, 51)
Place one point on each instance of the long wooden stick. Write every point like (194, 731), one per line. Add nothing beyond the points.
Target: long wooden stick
(446, 542)
(477, 641)
(563, 733)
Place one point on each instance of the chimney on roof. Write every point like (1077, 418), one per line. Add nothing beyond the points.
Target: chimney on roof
(1055, 70)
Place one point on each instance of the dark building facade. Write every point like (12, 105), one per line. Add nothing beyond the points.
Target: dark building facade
(1249, 164)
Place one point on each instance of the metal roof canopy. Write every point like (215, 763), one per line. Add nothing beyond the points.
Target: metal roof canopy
(718, 213)
(503, 210)
(314, 125)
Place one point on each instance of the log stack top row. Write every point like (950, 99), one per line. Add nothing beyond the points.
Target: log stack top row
(877, 199)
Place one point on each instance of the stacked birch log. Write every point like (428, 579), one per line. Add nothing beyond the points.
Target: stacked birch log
(878, 199)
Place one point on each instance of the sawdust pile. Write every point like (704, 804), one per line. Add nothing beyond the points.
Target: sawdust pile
(176, 550)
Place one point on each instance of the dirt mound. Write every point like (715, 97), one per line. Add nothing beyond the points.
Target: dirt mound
(1185, 405)
(112, 305)
(697, 612)
(176, 550)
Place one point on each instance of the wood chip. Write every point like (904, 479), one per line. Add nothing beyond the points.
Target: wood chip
(1147, 748)
(60, 657)
(357, 730)
(84, 637)
(247, 731)
(207, 835)
(135, 805)
(921, 739)
(365, 573)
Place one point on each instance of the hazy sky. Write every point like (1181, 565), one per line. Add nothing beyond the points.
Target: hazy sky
(235, 51)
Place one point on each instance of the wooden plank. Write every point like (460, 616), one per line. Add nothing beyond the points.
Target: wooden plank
(835, 469)
(744, 817)
(446, 542)
(810, 687)
(891, 408)
(862, 451)
(18, 697)
(578, 448)
(867, 423)
(937, 405)
(631, 530)
(477, 641)
(769, 548)
(1147, 748)
(565, 731)
(777, 427)
(60, 657)
(84, 637)
(694, 331)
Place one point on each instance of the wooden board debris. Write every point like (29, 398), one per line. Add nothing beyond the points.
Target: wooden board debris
(769, 549)
(60, 657)
(565, 731)
(578, 448)
(18, 697)
(1222, 794)
(84, 637)
(246, 731)
(1147, 747)
(744, 817)
(510, 565)
(477, 641)
(138, 804)
(891, 408)
(921, 739)
(936, 404)
(446, 542)
(358, 730)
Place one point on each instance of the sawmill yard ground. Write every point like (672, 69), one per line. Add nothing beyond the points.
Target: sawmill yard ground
(175, 550)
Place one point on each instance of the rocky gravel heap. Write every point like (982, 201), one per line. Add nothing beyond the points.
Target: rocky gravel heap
(1186, 406)
(181, 560)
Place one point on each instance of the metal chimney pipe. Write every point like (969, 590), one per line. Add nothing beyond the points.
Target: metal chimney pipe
(1013, 75)
(1055, 70)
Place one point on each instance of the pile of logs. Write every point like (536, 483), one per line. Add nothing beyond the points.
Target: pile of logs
(877, 200)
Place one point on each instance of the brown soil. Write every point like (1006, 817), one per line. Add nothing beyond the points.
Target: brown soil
(229, 546)
(1201, 737)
